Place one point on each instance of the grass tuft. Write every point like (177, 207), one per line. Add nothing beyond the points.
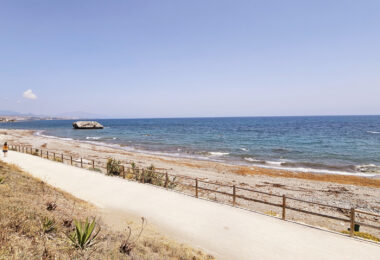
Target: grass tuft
(363, 235)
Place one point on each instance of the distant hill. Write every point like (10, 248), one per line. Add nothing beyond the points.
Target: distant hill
(9, 113)
(69, 115)
(80, 114)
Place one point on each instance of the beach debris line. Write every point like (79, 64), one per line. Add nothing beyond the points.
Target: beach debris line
(87, 125)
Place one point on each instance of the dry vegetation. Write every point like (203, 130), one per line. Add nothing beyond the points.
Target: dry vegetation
(35, 220)
(341, 179)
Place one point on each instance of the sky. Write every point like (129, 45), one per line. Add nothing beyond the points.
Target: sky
(206, 58)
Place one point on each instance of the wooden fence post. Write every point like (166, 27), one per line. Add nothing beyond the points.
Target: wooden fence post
(166, 180)
(93, 164)
(41, 153)
(62, 157)
(283, 207)
(233, 195)
(196, 188)
(352, 226)
(81, 162)
(123, 169)
(54, 156)
(47, 154)
(142, 175)
(71, 159)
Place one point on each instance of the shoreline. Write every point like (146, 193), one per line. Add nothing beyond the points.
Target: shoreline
(30, 137)
(336, 190)
(265, 165)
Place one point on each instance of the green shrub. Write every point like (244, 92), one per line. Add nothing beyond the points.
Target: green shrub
(47, 225)
(57, 159)
(114, 167)
(84, 234)
(150, 175)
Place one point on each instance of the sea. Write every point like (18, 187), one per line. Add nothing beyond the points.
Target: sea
(318, 144)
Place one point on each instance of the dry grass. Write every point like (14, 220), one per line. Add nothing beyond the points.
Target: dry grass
(363, 235)
(30, 229)
(342, 179)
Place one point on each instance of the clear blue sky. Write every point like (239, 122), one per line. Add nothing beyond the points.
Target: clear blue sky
(190, 58)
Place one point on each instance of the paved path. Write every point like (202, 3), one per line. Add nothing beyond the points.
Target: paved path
(227, 232)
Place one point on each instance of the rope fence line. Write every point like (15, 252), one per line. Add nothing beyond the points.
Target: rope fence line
(131, 172)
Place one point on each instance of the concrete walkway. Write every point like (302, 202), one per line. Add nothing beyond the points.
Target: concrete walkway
(227, 232)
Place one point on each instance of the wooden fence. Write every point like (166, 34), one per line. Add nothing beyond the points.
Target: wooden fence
(195, 184)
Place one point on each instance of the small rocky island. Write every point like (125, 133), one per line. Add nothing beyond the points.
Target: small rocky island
(87, 125)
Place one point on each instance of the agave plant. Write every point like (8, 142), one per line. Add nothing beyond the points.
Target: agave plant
(47, 225)
(84, 234)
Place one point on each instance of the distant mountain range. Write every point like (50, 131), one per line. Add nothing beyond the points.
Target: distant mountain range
(69, 115)
(79, 114)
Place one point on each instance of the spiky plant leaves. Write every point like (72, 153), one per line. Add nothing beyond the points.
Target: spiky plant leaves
(84, 236)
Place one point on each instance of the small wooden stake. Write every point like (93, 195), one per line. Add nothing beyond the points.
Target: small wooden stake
(352, 226)
(81, 163)
(166, 180)
(71, 160)
(283, 207)
(62, 157)
(47, 154)
(54, 156)
(93, 164)
(196, 188)
(234, 195)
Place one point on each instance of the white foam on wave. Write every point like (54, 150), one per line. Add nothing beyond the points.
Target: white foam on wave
(40, 133)
(278, 166)
(244, 149)
(218, 153)
(93, 137)
(249, 159)
(373, 132)
(274, 163)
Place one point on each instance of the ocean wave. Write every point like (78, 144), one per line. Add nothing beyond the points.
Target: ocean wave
(373, 132)
(244, 149)
(287, 167)
(218, 153)
(321, 166)
(280, 150)
(250, 159)
(93, 137)
(369, 168)
(40, 133)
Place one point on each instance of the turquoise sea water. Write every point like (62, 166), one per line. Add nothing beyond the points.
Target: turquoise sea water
(337, 144)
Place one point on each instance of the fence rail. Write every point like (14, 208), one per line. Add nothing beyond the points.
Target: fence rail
(139, 174)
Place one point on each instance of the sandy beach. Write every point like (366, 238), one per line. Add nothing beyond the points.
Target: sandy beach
(337, 190)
